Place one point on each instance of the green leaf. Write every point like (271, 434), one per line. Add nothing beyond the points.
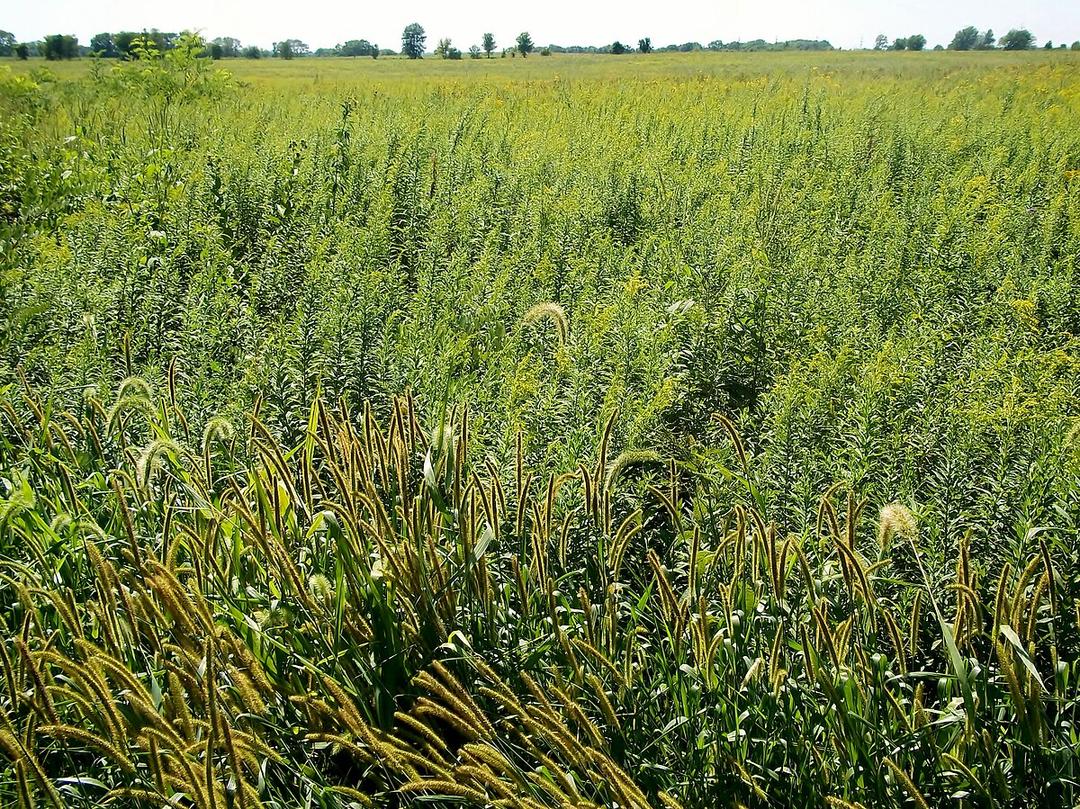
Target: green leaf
(1013, 638)
(956, 662)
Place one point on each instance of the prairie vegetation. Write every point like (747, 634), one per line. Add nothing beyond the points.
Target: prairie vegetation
(689, 431)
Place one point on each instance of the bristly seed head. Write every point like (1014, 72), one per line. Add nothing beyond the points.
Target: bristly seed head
(549, 311)
(895, 520)
(320, 587)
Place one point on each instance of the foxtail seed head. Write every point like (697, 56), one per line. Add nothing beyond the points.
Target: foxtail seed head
(549, 311)
(895, 520)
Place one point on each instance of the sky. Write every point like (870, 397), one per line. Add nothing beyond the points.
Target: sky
(324, 23)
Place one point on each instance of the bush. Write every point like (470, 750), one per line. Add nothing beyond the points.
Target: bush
(178, 74)
(61, 46)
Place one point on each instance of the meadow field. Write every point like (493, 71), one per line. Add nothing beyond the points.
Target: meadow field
(682, 430)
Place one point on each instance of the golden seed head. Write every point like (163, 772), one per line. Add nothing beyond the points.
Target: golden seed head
(217, 429)
(552, 312)
(320, 587)
(895, 520)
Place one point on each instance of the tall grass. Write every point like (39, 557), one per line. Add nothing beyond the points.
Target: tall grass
(377, 612)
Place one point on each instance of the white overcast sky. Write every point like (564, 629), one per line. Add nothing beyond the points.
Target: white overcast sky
(323, 23)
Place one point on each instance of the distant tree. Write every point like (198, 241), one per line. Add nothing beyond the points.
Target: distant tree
(524, 44)
(22, 51)
(356, 47)
(230, 46)
(939, 47)
(1018, 39)
(443, 48)
(899, 44)
(1075, 46)
(412, 41)
(252, 52)
(61, 46)
(644, 45)
(216, 51)
(545, 52)
(291, 48)
(162, 40)
(617, 47)
(689, 47)
(1049, 46)
(916, 42)
(103, 45)
(758, 45)
(123, 42)
(489, 44)
(881, 43)
(474, 51)
(7, 43)
(986, 40)
(965, 39)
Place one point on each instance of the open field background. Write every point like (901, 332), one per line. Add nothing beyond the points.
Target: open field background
(683, 429)
(359, 71)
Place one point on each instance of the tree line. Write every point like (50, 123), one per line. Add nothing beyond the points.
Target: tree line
(968, 39)
(123, 45)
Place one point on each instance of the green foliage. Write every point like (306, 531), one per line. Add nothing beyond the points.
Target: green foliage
(759, 45)
(175, 75)
(1018, 39)
(969, 38)
(524, 44)
(446, 50)
(290, 49)
(228, 47)
(104, 46)
(539, 432)
(377, 614)
(60, 46)
(412, 41)
(965, 39)
(357, 47)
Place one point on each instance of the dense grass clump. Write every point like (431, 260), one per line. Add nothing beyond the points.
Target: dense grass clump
(531, 435)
